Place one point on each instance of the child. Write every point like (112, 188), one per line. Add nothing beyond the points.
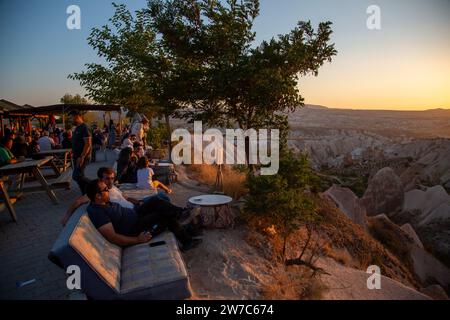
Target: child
(145, 177)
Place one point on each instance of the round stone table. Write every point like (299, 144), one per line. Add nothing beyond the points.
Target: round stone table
(223, 215)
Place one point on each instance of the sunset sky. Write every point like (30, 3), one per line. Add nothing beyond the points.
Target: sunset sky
(403, 66)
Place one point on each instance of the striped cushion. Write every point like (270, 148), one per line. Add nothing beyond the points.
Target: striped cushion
(147, 267)
(101, 255)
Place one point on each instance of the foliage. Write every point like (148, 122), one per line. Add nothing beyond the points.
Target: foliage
(73, 99)
(284, 198)
(197, 59)
(137, 72)
(156, 135)
(236, 81)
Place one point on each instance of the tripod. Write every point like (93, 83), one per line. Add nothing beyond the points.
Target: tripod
(218, 186)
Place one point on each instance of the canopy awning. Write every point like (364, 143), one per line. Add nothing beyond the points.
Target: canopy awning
(63, 108)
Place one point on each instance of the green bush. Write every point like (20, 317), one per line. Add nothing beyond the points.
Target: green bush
(156, 135)
(284, 199)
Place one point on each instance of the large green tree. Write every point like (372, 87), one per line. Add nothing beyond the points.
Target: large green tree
(233, 80)
(197, 59)
(136, 72)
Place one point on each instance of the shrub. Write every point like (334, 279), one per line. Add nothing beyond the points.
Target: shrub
(156, 135)
(233, 180)
(284, 199)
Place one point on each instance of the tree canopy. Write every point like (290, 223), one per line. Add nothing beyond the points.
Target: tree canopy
(73, 99)
(197, 59)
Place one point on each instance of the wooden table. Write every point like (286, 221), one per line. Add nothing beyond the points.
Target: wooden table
(62, 157)
(220, 204)
(8, 201)
(32, 167)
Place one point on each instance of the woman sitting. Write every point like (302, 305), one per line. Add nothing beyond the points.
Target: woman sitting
(126, 167)
(145, 177)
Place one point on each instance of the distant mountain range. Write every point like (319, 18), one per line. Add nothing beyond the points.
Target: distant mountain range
(320, 107)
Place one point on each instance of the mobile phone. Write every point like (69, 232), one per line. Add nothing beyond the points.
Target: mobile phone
(157, 244)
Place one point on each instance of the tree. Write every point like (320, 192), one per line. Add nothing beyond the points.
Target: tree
(197, 59)
(73, 99)
(285, 200)
(231, 80)
(137, 73)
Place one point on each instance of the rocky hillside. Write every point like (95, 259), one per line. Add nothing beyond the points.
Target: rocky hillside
(412, 225)
(414, 143)
(242, 265)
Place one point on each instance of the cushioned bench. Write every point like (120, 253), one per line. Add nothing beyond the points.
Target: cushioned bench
(110, 272)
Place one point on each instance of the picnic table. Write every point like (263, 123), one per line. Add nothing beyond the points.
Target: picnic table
(62, 157)
(33, 167)
(9, 201)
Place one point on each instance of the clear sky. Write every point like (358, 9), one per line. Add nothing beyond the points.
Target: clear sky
(405, 65)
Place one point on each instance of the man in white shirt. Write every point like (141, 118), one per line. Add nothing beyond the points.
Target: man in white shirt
(116, 196)
(107, 175)
(138, 128)
(45, 142)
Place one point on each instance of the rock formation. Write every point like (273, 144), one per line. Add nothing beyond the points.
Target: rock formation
(349, 204)
(384, 193)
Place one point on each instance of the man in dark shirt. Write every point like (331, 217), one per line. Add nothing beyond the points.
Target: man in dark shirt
(20, 147)
(81, 149)
(125, 227)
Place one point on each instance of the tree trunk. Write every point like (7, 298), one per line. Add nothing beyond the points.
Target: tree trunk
(306, 244)
(299, 262)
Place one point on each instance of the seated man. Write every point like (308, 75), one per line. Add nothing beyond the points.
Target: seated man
(45, 142)
(107, 175)
(6, 156)
(125, 227)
